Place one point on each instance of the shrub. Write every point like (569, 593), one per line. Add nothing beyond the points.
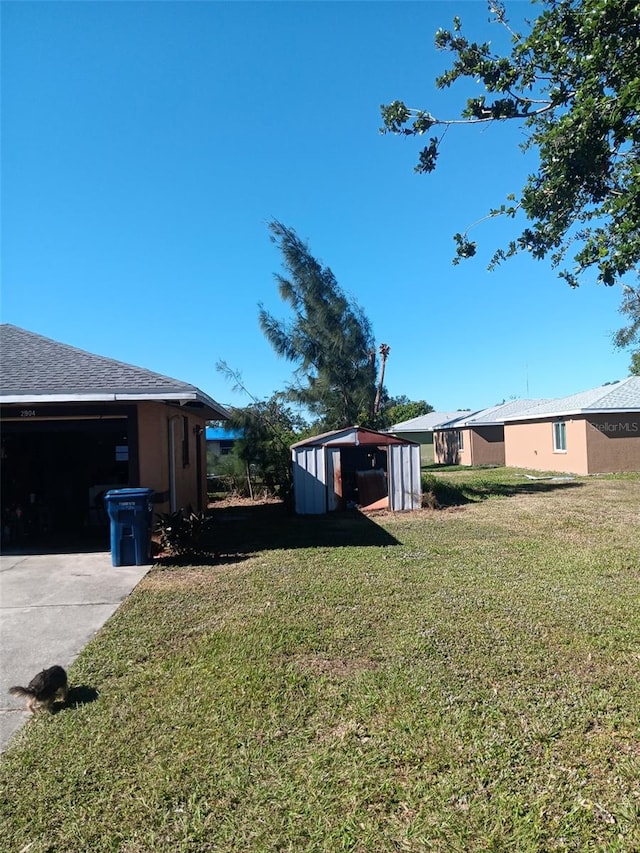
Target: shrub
(437, 493)
(184, 533)
(231, 471)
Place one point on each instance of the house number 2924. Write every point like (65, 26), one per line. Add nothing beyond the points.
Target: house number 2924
(27, 413)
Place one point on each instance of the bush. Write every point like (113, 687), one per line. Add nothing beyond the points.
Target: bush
(184, 533)
(437, 493)
(231, 471)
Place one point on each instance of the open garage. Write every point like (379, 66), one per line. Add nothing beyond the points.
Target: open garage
(75, 425)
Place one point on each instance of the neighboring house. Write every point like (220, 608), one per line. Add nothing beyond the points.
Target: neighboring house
(75, 425)
(220, 441)
(355, 467)
(420, 430)
(593, 432)
(476, 438)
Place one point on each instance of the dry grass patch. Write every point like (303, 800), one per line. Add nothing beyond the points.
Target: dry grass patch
(340, 668)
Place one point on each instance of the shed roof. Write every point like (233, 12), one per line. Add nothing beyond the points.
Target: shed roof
(620, 396)
(354, 435)
(35, 369)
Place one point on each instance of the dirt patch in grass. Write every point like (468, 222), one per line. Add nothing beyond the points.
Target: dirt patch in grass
(334, 667)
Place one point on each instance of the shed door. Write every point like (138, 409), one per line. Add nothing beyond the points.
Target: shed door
(334, 479)
(405, 490)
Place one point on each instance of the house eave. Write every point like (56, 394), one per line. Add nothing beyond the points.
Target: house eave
(573, 413)
(181, 398)
(458, 427)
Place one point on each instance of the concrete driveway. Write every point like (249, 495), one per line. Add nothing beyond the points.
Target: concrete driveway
(51, 605)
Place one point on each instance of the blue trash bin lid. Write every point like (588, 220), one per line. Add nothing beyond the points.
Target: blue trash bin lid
(127, 494)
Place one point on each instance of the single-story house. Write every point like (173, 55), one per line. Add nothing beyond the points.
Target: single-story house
(476, 438)
(355, 467)
(75, 425)
(220, 441)
(420, 430)
(592, 432)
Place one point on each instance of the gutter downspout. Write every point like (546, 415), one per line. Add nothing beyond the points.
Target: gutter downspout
(172, 463)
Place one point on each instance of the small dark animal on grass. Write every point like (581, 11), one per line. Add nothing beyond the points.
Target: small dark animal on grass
(44, 688)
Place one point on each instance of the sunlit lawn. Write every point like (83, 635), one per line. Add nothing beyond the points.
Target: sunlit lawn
(462, 679)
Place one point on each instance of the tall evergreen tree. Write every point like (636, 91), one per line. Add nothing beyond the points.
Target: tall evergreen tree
(329, 338)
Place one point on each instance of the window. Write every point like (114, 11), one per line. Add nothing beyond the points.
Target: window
(460, 440)
(560, 437)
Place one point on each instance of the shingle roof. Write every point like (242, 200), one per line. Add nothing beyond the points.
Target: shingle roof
(38, 369)
(621, 396)
(423, 423)
(492, 416)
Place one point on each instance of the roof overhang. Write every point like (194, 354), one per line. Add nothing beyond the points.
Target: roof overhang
(572, 413)
(451, 425)
(468, 425)
(210, 409)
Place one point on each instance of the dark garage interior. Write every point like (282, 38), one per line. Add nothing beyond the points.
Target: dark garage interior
(54, 476)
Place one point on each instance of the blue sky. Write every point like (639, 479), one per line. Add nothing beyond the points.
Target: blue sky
(146, 145)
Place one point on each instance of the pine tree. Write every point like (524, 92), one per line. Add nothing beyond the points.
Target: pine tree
(329, 338)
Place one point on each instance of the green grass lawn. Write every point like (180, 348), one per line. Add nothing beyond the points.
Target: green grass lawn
(461, 679)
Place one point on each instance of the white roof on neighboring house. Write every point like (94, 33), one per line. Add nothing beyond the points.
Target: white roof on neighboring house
(621, 396)
(423, 423)
(493, 416)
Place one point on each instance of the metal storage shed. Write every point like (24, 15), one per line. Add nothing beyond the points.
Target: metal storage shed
(355, 467)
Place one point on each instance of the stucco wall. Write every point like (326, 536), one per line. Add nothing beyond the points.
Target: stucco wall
(154, 424)
(480, 446)
(445, 447)
(613, 443)
(152, 450)
(598, 444)
(487, 445)
(529, 444)
(465, 456)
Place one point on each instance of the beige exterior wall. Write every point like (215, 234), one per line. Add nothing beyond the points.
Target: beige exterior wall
(156, 422)
(465, 456)
(153, 446)
(445, 447)
(529, 444)
(480, 446)
(597, 444)
(613, 443)
(486, 445)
